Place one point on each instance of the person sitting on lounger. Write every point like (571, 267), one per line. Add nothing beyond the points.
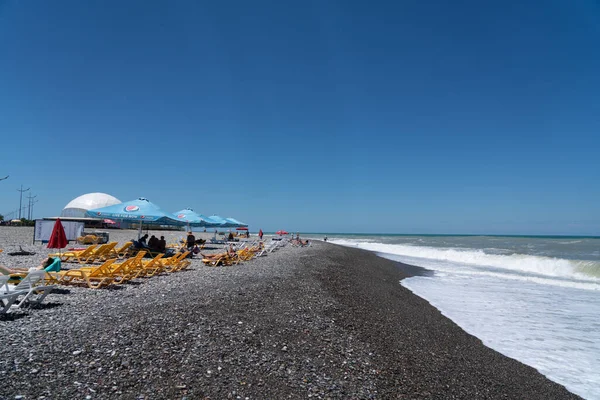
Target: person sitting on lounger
(45, 263)
(190, 241)
(140, 243)
(153, 242)
(161, 245)
(230, 252)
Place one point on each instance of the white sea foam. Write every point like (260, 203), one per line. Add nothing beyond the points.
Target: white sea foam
(523, 264)
(540, 307)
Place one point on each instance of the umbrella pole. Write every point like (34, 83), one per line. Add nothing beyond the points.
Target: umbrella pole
(140, 230)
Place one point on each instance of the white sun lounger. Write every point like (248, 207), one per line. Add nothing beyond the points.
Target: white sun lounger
(30, 288)
(7, 297)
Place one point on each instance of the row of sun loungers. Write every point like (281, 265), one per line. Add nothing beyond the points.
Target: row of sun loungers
(33, 287)
(243, 252)
(95, 253)
(116, 266)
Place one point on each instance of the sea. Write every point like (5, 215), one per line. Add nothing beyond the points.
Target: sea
(535, 299)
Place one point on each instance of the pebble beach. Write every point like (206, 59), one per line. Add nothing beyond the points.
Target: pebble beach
(320, 322)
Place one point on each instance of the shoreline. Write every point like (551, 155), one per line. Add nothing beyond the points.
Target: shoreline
(324, 321)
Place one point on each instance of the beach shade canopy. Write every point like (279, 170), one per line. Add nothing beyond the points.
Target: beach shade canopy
(236, 223)
(141, 210)
(58, 238)
(281, 232)
(241, 229)
(221, 222)
(191, 218)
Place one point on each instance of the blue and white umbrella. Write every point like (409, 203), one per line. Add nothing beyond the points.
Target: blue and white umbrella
(140, 210)
(222, 222)
(237, 223)
(191, 218)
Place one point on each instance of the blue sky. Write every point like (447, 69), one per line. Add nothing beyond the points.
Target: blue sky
(321, 116)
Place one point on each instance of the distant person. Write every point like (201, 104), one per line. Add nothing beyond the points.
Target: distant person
(190, 241)
(230, 237)
(45, 263)
(260, 234)
(161, 244)
(325, 239)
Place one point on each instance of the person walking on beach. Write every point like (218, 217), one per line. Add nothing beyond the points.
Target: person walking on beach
(260, 234)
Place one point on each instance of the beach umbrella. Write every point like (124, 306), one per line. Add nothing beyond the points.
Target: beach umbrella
(141, 211)
(58, 238)
(281, 232)
(235, 222)
(191, 218)
(241, 229)
(222, 222)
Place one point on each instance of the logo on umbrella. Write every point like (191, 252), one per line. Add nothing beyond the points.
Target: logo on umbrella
(131, 208)
(181, 216)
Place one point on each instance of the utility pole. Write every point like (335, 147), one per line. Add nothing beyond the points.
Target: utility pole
(32, 203)
(21, 199)
(30, 197)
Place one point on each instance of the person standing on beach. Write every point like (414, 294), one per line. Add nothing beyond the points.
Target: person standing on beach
(260, 234)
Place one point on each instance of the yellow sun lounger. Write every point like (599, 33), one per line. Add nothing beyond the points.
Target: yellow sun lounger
(176, 262)
(92, 277)
(121, 251)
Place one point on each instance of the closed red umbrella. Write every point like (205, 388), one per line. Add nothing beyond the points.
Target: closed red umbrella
(58, 238)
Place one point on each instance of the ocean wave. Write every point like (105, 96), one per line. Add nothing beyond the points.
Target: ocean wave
(521, 263)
